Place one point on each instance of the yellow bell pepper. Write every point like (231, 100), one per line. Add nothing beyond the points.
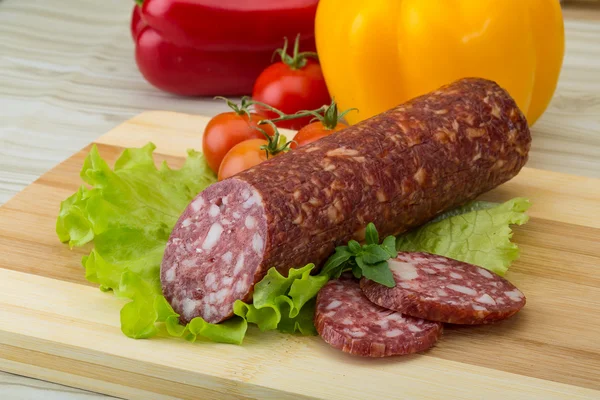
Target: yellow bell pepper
(379, 53)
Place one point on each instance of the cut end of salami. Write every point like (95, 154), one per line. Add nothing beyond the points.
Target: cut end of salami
(214, 252)
(442, 289)
(348, 321)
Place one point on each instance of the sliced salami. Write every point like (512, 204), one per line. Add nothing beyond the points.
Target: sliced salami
(348, 321)
(442, 289)
(398, 170)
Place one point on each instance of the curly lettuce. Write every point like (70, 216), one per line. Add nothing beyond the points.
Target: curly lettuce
(284, 303)
(128, 213)
(478, 233)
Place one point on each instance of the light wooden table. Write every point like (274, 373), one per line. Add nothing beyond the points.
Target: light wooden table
(67, 75)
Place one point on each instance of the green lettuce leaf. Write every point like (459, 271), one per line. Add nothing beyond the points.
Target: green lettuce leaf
(478, 233)
(128, 212)
(284, 303)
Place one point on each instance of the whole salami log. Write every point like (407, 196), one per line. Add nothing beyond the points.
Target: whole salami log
(441, 289)
(398, 170)
(348, 321)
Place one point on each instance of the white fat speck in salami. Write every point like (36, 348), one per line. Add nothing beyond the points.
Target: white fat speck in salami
(221, 295)
(170, 275)
(213, 236)
(383, 323)
(210, 279)
(207, 311)
(254, 199)
(257, 243)
(348, 321)
(186, 222)
(250, 222)
(458, 293)
(212, 298)
(461, 289)
(333, 304)
(485, 273)
(214, 210)
(239, 264)
(485, 299)
(188, 263)
(405, 271)
(189, 306)
(240, 286)
(395, 332)
(197, 204)
(227, 257)
(514, 295)
(395, 317)
(356, 334)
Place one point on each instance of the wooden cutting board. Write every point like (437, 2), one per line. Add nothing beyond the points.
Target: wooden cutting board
(56, 326)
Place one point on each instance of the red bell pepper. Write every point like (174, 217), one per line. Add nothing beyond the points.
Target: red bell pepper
(215, 47)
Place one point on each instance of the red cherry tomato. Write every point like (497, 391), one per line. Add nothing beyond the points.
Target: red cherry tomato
(137, 23)
(313, 132)
(242, 156)
(228, 129)
(293, 84)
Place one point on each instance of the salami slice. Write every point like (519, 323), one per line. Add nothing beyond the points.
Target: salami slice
(398, 170)
(348, 321)
(442, 289)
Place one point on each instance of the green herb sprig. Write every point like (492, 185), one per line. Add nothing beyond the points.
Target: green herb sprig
(368, 260)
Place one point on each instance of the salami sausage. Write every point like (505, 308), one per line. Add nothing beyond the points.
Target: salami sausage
(348, 321)
(398, 170)
(441, 289)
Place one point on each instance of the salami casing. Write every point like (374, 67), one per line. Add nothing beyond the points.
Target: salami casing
(398, 170)
(348, 321)
(442, 289)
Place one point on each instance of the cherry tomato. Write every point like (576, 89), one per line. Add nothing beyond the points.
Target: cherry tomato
(293, 84)
(242, 156)
(313, 132)
(228, 129)
(137, 23)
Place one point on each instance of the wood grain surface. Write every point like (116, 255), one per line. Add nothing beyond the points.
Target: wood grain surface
(68, 75)
(68, 331)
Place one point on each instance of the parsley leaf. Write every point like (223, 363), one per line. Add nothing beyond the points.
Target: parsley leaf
(379, 273)
(371, 234)
(368, 260)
